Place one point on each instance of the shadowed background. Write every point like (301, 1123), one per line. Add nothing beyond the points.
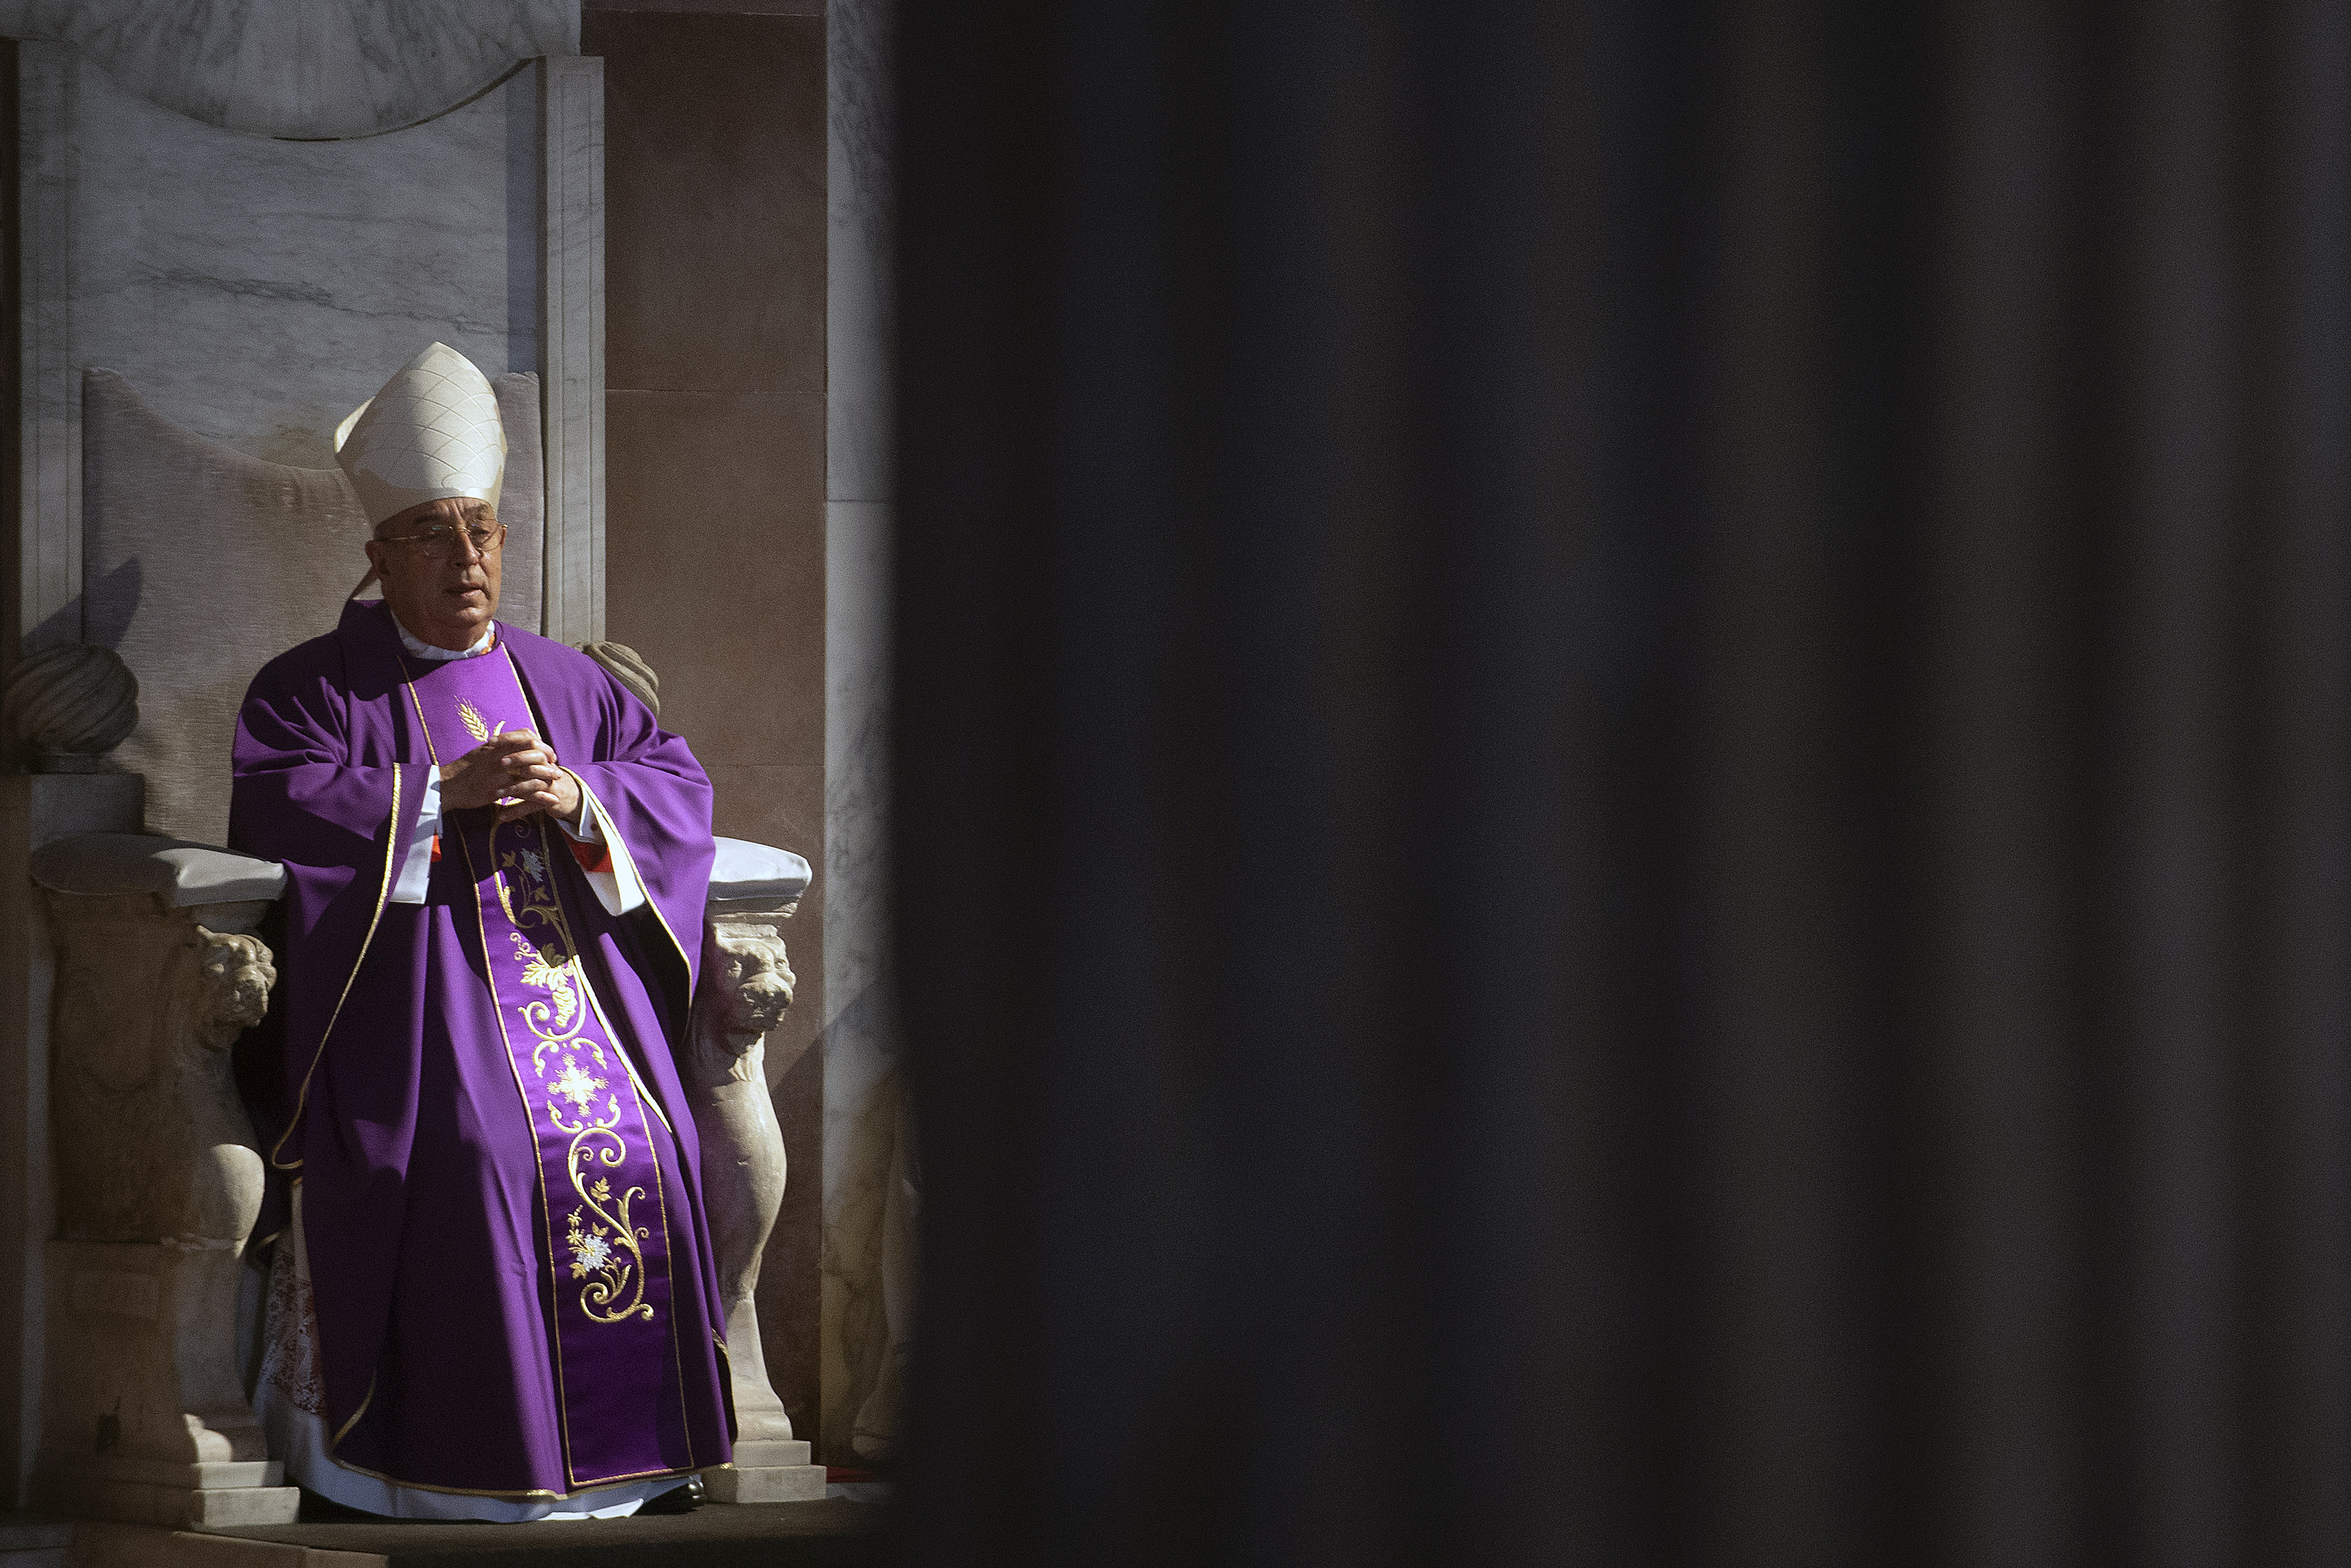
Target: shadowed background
(1624, 780)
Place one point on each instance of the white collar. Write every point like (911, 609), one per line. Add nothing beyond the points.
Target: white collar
(427, 650)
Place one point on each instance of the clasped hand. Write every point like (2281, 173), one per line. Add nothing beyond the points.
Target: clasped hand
(516, 773)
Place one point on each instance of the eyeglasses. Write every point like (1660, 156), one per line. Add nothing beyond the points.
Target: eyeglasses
(439, 540)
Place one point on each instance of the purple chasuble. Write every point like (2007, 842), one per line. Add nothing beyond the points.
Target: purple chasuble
(501, 1200)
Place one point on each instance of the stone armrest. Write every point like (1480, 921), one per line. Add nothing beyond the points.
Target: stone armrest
(744, 870)
(187, 876)
(184, 875)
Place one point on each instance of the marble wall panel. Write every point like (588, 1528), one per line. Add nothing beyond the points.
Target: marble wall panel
(714, 515)
(47, 608)
(304, 68)
(860, 1040)
(571, 343)
(256, 290)
(859, 332)
(864, 1305)
(735, 7)
(724, 291)
(714, 550)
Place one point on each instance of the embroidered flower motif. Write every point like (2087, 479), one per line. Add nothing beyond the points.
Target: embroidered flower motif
(532, 864)
(554, 972)
(590, 1252)
(576, 1084)
(617, 1291)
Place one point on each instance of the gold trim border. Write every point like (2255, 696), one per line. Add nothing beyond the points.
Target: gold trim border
(530, 1112)
(382, 896)
(539, 1493)
(345, 1430)
(611, 832)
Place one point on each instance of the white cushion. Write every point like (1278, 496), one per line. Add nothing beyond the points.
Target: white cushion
(745, 870)
(186, 874)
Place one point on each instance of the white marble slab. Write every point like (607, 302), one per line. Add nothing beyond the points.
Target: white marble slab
(48, 117)
(303, 69)
(858, 202)
(257, 290)
(572, 96)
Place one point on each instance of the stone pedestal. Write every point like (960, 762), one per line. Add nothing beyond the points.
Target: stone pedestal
(144, 1419)
(35, 810)
(26, 1541)
(746, 984)
(768, 1471)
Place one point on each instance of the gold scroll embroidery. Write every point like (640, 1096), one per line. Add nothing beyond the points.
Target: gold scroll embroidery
(602, 1232)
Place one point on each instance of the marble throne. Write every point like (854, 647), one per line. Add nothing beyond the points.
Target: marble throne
(157, 962)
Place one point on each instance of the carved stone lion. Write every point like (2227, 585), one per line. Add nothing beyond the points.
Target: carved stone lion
(236, 977)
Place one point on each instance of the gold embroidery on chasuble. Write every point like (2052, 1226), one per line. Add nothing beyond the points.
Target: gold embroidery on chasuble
(609, 1257)
(605, 1242)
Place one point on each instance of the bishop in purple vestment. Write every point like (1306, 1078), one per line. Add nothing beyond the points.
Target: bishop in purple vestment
(492, 1295)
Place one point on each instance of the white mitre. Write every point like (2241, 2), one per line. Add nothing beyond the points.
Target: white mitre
(431, 431)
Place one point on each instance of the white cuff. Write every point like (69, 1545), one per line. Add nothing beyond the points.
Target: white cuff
(589, 831)
(416, 871)
(620, 889)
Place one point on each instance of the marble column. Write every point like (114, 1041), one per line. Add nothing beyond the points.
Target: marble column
(867, 1282)
(571, 343)
(48, 92)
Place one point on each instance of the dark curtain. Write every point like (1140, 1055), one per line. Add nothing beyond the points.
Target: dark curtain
(1625, 781)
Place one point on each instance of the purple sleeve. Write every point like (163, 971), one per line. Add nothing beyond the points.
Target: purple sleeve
(318, 788)
(307, 792)
(655, 800)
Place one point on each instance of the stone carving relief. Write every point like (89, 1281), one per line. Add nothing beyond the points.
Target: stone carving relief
(628, 666)
(309, 70)
(151, 1141)
(144, 1418)
(746, 984)
(237, 976)
(749, 987)
(65, 707)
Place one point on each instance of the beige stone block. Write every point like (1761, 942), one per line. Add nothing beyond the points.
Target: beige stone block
(112, 1545)
(769, 1455)
(97, 1497)
(142, 1546)
(227, 1507)
(786, 1483)
(185, 1477)
(22, 1532)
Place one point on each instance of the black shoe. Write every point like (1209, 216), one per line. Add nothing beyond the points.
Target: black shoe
(677, 1500)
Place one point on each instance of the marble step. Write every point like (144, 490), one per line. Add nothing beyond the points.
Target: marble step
(817, 1534)
(33, 1541)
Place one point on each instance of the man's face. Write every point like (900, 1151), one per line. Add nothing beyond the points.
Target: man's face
(443, 588)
